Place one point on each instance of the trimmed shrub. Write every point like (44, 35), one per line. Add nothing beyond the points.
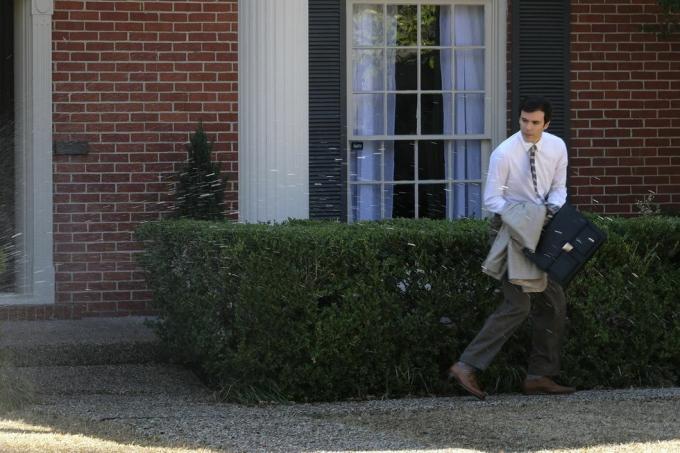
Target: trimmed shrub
(313, 311)
(200, 188)
(625, 326)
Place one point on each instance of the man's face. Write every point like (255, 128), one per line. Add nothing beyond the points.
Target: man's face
(532, 125)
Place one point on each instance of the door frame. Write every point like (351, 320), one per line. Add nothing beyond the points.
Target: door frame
(33, 144)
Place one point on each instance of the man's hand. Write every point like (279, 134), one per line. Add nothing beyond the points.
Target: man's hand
(548, 218)
(551, 210)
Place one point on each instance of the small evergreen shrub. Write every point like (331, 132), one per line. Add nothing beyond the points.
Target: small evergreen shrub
(200, 188)
(313, 311)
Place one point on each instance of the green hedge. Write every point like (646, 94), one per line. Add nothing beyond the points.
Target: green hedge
(322, 311)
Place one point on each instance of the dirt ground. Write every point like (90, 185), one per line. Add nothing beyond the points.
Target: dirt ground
(636, 420)
(588, 422)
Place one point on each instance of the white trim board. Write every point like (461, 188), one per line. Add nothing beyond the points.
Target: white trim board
(33, 94)
(273, 110)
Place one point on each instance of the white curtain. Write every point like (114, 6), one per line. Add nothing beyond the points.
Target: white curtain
(469, 109)
(368, 30)
(467, 156)
(391, 70)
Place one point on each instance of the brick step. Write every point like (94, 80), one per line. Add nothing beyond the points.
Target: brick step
(88, 341)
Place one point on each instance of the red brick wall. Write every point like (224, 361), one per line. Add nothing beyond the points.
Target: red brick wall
(625, 99)
(133, 79)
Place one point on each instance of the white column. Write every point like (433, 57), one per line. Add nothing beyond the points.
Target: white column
(498, 87)
(273, 110)
(496, 25)
(43, 263)
(33, 94)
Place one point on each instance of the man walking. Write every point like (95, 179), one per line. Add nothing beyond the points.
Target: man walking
(526, 170)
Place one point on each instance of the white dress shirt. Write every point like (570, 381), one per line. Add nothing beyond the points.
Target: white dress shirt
(509, 177)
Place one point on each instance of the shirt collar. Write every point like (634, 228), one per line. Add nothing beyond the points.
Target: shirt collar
(527, 145)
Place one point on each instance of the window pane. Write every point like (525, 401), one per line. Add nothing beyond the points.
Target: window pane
(431, 163)
(467, 159)
(466, 165)
(368, 67)
(366, 202)
(402, 69)
(436, 25)
(367, 22)
(368, 114)
(402, 113)
(467, 200)
(432, 201)
(436, 113)
(469, 113)
(400, 200)
(469, 25)
(435, 69)
(470, 69)
(366, 163)
(401, 156)
(402, 25)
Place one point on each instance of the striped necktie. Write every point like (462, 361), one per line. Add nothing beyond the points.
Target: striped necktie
(532, 164)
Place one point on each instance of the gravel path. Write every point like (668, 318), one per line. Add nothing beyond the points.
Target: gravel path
(637, 420)
(92, 397)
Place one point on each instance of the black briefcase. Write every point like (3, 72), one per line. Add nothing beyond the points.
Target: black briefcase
(566, 244)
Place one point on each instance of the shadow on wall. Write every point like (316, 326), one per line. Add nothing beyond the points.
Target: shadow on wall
(7, 182)
(7, 221)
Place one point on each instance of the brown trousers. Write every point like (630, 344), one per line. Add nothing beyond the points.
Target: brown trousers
(548, 313)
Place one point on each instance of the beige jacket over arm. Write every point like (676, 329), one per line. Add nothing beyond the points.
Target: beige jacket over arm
(522, 226)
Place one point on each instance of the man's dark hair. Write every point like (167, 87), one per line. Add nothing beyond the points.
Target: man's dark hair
(536, 103)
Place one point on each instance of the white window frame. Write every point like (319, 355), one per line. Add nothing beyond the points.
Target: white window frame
(33, 142)
(495, 89)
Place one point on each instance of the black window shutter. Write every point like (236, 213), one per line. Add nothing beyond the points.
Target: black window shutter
(540, 58)
(327, 171)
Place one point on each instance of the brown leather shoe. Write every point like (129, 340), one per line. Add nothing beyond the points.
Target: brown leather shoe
(544, 386)
(467, 380)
